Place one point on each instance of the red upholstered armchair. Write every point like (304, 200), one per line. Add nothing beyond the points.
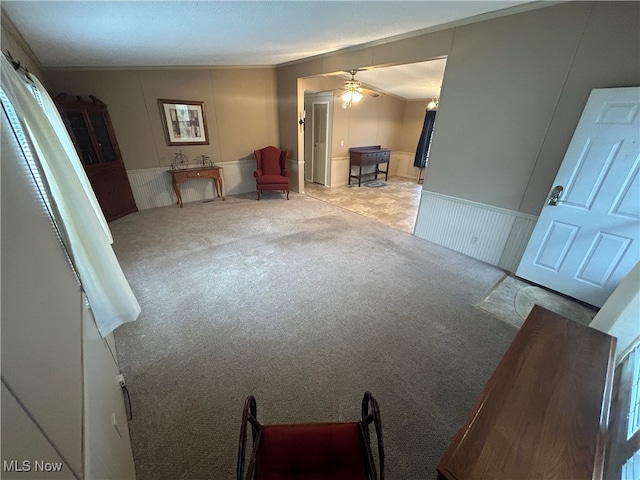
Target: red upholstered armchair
(312, 451)
(272, 173)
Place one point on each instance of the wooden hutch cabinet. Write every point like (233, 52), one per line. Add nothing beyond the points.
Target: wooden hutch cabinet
(90, 128)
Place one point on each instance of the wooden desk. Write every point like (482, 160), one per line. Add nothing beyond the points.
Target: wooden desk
(365, 156)
(178, 177)
(544, 412)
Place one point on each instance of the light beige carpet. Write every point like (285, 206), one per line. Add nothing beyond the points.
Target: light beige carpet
(511, 300)
(304, 305)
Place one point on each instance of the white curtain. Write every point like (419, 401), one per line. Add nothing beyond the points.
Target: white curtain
(77, 211)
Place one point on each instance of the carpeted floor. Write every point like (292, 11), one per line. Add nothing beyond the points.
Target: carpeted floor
(304, 305)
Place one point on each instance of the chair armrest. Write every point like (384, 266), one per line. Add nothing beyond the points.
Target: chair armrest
(257, 173)
(286, 173)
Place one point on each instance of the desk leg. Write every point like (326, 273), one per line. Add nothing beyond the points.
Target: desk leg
(176, 188)
(359, 175)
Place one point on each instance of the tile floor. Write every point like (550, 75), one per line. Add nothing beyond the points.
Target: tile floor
(395, 204)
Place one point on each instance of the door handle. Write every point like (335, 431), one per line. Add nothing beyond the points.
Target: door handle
(554, 197)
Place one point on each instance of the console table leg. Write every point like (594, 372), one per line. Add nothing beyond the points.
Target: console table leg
(218, 184)
(176, 188)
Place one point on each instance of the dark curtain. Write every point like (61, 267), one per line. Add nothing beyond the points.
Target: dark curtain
(425, 139)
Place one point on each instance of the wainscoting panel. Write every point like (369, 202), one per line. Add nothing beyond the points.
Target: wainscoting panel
(294, 166)
(339, 171)
(402, 165)
(517, 242)
(152, 186)
(237, 176)
(493, 235)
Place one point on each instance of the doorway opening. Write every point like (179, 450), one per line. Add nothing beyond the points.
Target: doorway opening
(393, 119)
(317, 137)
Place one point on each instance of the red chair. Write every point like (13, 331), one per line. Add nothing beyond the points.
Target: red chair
(272, 173)
(312, 451)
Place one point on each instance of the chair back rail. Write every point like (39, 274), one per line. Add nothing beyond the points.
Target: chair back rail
(249, 417)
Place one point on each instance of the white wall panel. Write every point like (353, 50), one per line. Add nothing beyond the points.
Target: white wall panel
(20, 435)
(494, 235)
(107, 446)
(339, 171)
(517, 242)
(152, 186)
(41, 314)
(402, 165)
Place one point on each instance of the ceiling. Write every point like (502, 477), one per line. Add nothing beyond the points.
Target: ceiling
(121, 34)
(411, 81)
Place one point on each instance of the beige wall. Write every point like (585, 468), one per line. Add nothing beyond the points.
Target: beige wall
(385, 120)
(372, 121)
(412, 122)
(608, 55)
(291, 85)
(240, 107)
(513, 91)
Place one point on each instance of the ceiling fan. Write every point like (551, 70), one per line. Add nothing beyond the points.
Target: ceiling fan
(353, 91)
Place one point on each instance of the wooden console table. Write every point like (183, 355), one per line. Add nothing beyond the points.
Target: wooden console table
(365, 156)
(178, 177)
(544, 412)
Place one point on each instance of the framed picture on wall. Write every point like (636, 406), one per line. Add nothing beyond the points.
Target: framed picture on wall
(184, 122)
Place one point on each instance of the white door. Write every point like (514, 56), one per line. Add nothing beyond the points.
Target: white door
(308, 138)
(586, 238)
(317, 137)
(320, 141)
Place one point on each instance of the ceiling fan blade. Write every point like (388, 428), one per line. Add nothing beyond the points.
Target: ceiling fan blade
(366, 91)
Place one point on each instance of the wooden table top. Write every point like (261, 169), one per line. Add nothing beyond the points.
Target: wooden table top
(544, 412)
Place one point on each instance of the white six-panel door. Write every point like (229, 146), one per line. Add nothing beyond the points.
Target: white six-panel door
(587, 236)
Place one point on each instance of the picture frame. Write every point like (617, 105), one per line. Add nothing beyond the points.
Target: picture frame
(184, 122)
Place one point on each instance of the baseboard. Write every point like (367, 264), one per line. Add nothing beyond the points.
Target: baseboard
(491, 234)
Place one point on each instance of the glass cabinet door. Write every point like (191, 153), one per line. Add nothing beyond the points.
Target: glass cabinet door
(99, 124)
(82, 137)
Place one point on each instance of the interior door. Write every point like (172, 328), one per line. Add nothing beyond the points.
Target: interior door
(320, 141)
(586, 238)
(308, 139)
(317, 137)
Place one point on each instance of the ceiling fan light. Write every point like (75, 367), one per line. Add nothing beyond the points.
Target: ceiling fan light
(346, 97)
(356, 97)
